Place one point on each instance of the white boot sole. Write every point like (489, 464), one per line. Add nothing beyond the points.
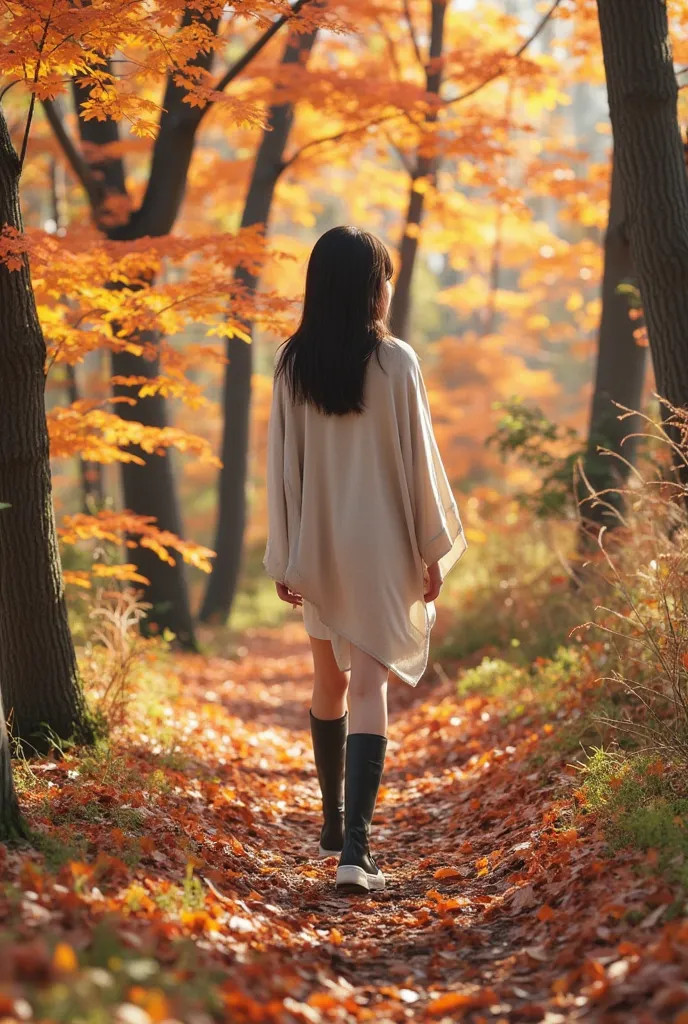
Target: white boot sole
(354, 879)
(322, 852)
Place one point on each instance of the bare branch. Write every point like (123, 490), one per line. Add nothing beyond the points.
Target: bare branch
(404, 158)
(73, 156)
(391, 49)
(254, 50)
(412, 33)
(327, 138)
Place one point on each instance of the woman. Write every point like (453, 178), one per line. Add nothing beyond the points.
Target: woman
(363, 526)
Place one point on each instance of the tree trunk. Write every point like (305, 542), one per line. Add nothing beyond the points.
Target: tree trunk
(11, 824)
(236, 400)
(90, 473)
(425, 168)
(650, 162)
(150, 490)
(38, 673)
(619, 375)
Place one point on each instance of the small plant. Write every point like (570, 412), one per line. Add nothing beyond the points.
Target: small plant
(553, 451)
(114, 654)
(645, 611)
(636, 796)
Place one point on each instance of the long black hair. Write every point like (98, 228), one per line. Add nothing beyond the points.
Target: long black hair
(343, 322)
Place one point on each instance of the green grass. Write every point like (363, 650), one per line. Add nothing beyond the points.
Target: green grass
(59, 851)
(640, 807)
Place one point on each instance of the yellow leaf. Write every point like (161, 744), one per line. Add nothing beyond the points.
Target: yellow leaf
(64, 959)
(474, 535)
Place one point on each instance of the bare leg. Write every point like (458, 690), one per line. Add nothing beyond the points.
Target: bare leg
(367, 694)
(330, 684)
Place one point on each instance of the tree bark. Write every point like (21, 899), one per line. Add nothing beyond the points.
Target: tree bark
(236, 398)
(38, 673)
(619, 376)
(425, 167)
(90, 473)
(650, 160)
(149, 489)
(11, 823)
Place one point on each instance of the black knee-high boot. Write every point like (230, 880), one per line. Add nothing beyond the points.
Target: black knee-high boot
(329, 750)
(365, 760)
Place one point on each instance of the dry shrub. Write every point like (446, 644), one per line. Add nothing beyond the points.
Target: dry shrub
(115, 656)
(643, 562)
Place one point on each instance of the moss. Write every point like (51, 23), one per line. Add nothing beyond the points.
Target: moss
(639, 807)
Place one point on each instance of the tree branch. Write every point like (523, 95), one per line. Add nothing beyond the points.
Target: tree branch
(514, 56)
(32, 102)
(403, 157)
(253, 51)
(74, 158)
(412, 33)
(448, 103)
(391, 49)
(328, 138)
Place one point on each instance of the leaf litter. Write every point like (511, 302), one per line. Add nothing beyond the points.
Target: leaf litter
(177, 881)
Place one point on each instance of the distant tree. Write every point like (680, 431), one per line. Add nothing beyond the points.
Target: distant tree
(422, 169)
(236, 401)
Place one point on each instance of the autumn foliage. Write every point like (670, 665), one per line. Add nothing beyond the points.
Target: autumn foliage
(532, 822)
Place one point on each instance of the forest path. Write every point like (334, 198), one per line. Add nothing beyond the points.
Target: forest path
(494, 908)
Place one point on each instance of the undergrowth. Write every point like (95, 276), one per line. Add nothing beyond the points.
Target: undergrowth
(642, 803)
(617, 688)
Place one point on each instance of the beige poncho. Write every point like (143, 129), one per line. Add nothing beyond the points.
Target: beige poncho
(357, 505)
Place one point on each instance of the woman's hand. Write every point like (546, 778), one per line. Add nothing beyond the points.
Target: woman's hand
(433, 583)
(288, 596)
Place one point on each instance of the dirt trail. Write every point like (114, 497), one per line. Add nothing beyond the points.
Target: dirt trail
(495, 908)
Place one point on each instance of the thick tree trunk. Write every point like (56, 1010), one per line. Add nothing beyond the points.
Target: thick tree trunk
(38, 674)
(425, 168)
(650, 162)
(236, 399)
(619, 376)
